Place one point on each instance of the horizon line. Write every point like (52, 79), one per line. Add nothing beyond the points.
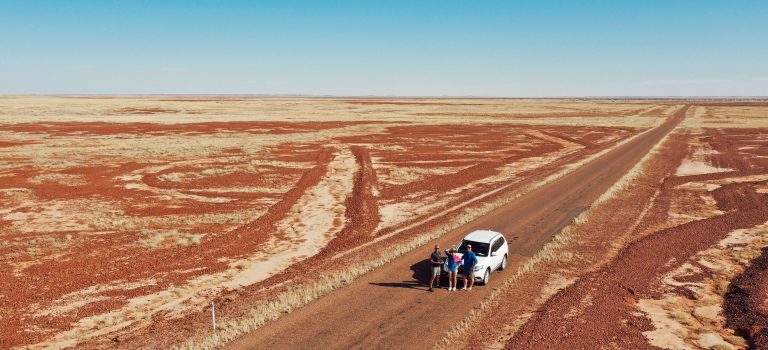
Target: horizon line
(591, 97)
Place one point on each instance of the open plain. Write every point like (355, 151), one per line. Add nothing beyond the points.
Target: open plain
(122, 219)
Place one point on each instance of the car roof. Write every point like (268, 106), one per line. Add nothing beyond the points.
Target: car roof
(481, 235)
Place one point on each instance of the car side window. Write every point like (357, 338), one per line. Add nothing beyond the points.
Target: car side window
(497, 244)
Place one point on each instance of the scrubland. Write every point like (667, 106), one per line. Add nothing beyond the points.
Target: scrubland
(123, 218)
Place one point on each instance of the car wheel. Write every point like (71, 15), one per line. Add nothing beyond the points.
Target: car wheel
(503, 263)
(487, 277)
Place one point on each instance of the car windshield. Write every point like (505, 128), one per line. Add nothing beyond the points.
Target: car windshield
(481, 249)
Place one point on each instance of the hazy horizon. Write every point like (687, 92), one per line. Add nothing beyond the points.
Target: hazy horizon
(492, 49)
(617, 97)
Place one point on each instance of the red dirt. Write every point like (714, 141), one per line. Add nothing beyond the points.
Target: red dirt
(74, 271)
(745, 303)
(14, 143)
(616, 287)
(613, 289)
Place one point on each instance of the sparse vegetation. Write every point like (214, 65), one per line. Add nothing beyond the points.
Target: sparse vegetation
(168, 238)
(179, 186)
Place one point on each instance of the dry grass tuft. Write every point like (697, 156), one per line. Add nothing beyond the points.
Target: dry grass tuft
(728, 117)
(64, 179)
(168, 238)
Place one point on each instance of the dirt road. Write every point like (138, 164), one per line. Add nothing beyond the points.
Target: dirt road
(391, 308)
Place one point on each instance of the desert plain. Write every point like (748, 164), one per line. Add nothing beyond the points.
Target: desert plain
(124, 219)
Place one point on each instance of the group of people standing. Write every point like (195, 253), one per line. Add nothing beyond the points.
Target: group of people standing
(452, 261)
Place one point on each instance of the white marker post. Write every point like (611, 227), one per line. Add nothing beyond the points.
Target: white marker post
(213, 315)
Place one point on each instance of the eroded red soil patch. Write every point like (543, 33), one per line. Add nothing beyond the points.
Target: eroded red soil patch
(14, 143)
(746, 304)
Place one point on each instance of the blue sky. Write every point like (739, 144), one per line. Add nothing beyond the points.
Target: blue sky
(406, 48)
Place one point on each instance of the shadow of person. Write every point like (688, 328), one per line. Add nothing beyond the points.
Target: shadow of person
(421, 274)
(421, 271)
(403, 284)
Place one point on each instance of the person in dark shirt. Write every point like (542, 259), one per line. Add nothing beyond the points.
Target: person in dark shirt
(470, 260)
(436, 262)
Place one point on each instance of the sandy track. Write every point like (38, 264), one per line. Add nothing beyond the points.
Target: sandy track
(362, 210)
(388, 308)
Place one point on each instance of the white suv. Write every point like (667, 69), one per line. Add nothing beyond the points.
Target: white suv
(491, 249)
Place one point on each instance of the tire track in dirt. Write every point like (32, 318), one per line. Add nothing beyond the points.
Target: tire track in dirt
(443, 183)
(362, 210)
(256, 232)
(586, 144)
